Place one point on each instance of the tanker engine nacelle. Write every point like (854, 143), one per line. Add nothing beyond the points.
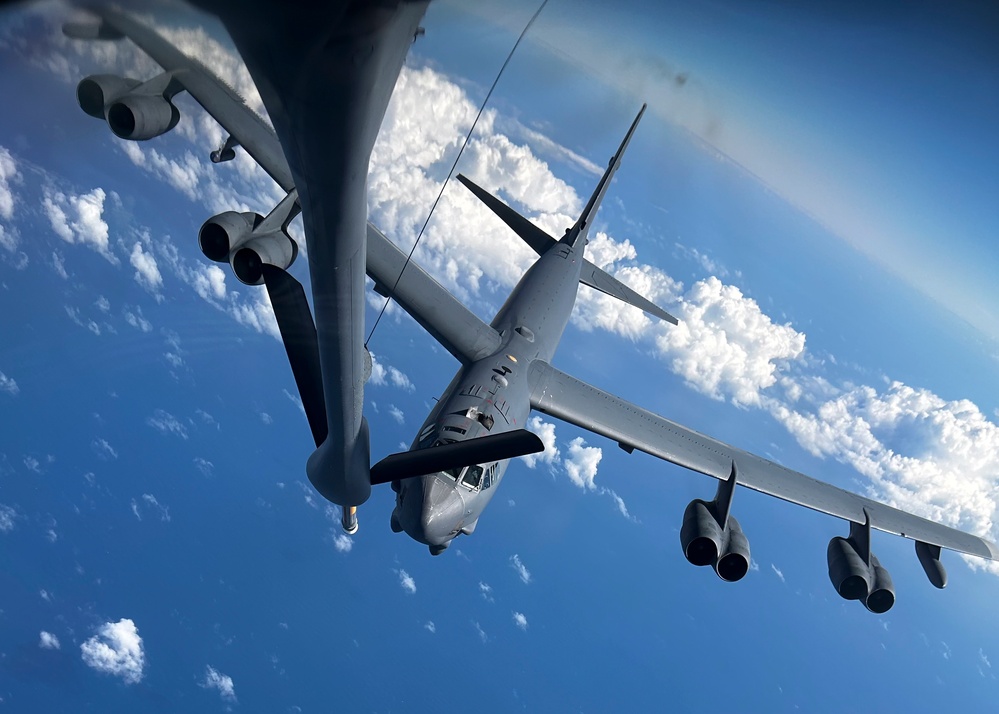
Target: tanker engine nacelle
(237, 238)
(855, 579)
(133, 110)
(706, 541)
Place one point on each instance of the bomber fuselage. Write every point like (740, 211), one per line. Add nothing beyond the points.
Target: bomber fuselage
(489, 396)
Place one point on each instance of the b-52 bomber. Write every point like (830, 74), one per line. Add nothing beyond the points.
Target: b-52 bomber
(460, 455)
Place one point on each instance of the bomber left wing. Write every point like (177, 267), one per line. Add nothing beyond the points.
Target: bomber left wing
(560, 395)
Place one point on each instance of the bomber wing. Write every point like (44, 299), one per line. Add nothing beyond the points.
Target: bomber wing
(449, 322)
(567, 398)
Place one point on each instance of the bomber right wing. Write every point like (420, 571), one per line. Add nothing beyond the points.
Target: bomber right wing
(560, 395)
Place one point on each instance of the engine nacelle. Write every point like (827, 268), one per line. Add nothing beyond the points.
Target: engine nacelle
(276, 248)
(856, 580)
(705, 542)
(847, 570)
(138, 117)
(734, 561)
(96, 92)
(882, 595)
(223, 234)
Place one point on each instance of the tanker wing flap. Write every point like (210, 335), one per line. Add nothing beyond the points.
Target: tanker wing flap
(567, 398)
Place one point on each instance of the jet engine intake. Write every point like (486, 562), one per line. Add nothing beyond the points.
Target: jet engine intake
(277, 249)
(96, 92)
(142, 116)
(855, 579)
(706, 542)
(225, 233)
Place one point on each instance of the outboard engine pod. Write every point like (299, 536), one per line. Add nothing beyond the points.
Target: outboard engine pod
(733, 564)
(141, 116)
(276, 249)
(847, 570)
(882, 595)
(226, 232)
(96, 92)
(700, 535)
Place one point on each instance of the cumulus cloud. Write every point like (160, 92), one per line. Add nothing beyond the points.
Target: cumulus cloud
(116, 649)
(151, 503)
(59, 265)
(8, 175)
(222, 682)
(147, 272)
(343, 543)
(480, 631)
(386, 374)
(7, 384)
(166, 423)
(103, 449)
(407, 582)
(725, 346)
(520, 620)
(7, 518)
(522, 572)
(136, 319)
(48, 641)
(920, 452)
(581, 463)
(430, 627)
(206, 467)
(79, 218)
(397, 414)
(546, 432)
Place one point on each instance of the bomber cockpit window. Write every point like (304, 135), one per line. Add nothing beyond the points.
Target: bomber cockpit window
(472, 476)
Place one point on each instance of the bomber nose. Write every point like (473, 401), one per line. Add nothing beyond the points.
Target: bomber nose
(432, 510)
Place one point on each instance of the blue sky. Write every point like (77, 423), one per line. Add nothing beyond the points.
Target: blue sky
(152, 471)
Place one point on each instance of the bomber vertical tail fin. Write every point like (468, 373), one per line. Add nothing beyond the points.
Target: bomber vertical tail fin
(583, 222)
(540, 241)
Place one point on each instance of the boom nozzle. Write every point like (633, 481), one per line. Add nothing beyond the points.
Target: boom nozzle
(349, 520)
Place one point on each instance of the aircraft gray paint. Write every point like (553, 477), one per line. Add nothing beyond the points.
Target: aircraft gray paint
(447, 478)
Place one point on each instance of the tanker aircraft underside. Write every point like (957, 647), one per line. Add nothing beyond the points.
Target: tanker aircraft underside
(460, 455)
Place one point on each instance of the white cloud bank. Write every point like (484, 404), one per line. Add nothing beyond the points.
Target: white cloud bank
(116, 649)
(48, 641)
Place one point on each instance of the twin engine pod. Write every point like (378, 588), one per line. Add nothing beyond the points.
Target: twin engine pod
(133, 110)
(719, 542)
(857, 579)
(246, 242)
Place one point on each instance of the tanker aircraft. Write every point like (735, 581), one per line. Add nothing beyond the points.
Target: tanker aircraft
(460, 455)
(325, 72)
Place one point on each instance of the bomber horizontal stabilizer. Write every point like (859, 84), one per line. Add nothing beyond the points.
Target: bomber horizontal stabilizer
(605, 283)
(540, 241)
(532, 235)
